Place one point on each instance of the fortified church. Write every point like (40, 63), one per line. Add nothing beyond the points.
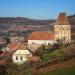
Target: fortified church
(61, 32)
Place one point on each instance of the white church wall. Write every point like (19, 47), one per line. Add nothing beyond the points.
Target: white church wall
(33, 45)
(41, 42)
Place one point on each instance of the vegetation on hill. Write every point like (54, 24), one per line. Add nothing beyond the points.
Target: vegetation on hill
(64, 71)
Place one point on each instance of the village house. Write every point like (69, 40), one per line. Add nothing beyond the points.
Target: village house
(21, 55)
(11, 47)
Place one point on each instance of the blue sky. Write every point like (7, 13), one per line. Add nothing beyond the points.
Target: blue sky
(36, 9)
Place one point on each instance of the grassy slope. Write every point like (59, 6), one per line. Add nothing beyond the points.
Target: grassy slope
(57, 53)
(69, 50)
(70, 71)
(62, 68)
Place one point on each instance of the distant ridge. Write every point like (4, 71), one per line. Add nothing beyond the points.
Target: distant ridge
(22, 24)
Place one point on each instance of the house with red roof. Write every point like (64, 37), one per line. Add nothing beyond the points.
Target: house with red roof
(21, 55)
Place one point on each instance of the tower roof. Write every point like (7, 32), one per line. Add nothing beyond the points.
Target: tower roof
(62, 19)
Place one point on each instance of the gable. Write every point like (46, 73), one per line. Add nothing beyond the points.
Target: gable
(23, 52)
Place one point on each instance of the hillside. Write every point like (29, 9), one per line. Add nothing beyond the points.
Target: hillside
(62, 68)
(60, 62)
(24, 24)
(13, 24)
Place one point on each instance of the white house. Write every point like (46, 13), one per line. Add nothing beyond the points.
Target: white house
(21, 56)
(36, 39)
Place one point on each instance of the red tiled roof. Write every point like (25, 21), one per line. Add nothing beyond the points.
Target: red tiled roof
(13, 46)
(41, 36)
(22, 47)
(62, 19)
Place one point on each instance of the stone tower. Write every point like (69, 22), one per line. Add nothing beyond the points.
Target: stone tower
(62, 29)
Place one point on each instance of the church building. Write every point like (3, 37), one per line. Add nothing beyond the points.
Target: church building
(38, 38)
(61, 33)
(62, 29)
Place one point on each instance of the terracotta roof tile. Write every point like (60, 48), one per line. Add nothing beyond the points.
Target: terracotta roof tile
(62, 19)
(41, 36)
(13, 46)
(22, 47)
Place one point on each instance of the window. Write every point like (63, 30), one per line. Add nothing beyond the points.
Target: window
(21, 58)
(16, 57)
(60, 28)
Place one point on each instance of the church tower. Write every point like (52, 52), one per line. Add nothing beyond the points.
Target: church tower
(62, 29)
